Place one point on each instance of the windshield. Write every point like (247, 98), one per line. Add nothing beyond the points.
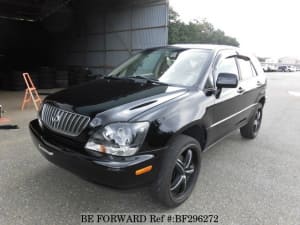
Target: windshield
(172, 66)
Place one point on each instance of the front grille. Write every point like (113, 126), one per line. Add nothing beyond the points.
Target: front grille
(62, 121)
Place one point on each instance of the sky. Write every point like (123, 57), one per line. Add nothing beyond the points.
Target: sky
(264, 27)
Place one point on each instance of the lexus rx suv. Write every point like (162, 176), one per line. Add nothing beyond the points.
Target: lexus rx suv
(149, 120)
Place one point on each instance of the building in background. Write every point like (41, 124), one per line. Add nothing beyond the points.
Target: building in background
(43, 37)
(288, 60)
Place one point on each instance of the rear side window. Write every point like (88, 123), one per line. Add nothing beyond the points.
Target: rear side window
(257, 66)
(247, 70)
(254, 73)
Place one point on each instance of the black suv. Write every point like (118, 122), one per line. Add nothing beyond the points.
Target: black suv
(148, 121)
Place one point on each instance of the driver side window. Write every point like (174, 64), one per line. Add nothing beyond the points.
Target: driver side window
(227, 65)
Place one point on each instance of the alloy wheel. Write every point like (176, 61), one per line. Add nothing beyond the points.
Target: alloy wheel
(257, 120)
(183, 173)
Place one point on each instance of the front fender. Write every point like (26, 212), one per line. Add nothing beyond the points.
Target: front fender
(174, 117)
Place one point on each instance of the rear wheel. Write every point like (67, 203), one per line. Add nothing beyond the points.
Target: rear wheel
(250, 130)
(179, 172)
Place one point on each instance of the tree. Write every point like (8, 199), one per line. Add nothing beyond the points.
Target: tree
(196, 32)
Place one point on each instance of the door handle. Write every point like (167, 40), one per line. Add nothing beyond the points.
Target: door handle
(240, 90)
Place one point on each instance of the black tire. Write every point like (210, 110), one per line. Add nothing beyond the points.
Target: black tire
(35, 78)
(78, 75)
(46, 78)
(179, 172)
(17, 80)
(250, 130)
(6, 81)
(62, 78)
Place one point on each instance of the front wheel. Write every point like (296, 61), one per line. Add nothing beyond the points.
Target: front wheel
(250, 130)
(179, 171)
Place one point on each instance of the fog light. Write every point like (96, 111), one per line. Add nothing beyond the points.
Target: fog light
(95, 147)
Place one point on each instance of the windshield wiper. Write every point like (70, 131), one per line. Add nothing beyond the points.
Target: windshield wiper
(149, 80)
(113, 78)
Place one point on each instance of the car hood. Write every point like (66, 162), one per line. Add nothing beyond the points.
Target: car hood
(123, 99)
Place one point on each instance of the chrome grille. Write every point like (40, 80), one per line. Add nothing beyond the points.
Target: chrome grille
(62, 121)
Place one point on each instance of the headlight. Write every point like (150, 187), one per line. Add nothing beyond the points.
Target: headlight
(122, 139)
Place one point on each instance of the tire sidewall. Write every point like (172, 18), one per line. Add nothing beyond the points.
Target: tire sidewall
(247, 131)
(259, 107)
(183, 197)
(162, 186)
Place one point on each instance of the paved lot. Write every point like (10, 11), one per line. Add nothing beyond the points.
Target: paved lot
(244, 182)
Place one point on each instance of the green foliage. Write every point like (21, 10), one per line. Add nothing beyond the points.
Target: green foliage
(196, 32)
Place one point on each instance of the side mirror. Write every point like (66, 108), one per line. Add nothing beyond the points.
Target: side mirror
(227, 80)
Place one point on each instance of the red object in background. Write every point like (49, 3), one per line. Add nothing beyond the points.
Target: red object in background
(4, 120)
(31, 93)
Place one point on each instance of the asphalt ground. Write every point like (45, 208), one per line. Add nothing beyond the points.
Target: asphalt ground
(242, 181)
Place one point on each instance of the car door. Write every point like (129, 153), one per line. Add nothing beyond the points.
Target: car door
(260, 78)
(224, 113)
(248, 88)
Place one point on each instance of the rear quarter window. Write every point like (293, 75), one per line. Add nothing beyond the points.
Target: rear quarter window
(257, 66)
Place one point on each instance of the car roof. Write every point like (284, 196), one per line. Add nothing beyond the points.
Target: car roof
(205, 46)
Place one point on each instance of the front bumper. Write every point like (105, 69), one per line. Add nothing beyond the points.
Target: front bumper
(118, 172)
